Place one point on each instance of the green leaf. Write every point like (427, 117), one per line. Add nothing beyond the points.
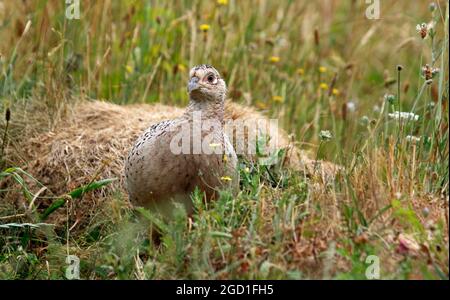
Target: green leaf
(55, 205)
(79, 192)
(75, 194)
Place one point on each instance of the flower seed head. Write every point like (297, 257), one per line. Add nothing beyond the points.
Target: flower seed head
(7, 114)
(432, 7)
(325, 135)
(422, 29)
(389, 98)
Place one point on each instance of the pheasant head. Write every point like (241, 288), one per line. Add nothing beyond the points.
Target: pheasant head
(205, 84)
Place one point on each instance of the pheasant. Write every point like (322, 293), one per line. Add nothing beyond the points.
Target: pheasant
(174, 157)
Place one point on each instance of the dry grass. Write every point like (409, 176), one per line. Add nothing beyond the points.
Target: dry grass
(92, 139)
(314, 66)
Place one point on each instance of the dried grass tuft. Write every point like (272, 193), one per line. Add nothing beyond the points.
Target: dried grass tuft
(92, 140)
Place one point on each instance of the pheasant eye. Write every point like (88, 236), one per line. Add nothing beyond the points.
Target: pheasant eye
(211, 79)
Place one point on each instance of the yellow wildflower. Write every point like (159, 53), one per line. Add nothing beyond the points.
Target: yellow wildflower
(204, 27)
(247, 170)
(274, 59)
(222, 2)
(335, 92)
(181, 67)
(300, 71)
(225, 178)
(129, 69)
(277, 99)
(323, 86)
(225, 158)
(322, 69)
(261, 105)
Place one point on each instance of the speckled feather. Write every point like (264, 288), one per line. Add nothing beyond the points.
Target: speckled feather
(155, 175)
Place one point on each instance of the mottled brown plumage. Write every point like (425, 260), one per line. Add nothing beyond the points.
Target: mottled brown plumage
(161, 167)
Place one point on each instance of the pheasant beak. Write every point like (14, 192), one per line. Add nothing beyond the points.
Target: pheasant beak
(193, 84)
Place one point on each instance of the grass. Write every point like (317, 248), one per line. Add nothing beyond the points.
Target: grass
(312, 66)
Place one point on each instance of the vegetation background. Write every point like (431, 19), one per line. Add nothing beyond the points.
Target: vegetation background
(317, 66)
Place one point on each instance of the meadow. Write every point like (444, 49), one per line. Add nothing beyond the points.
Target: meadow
(370, 95)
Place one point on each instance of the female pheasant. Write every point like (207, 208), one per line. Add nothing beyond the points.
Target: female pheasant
(171, 158)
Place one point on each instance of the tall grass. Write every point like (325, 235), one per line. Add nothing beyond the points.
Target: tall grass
(314, 66)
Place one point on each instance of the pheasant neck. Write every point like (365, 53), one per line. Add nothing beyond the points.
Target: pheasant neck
(210, 109)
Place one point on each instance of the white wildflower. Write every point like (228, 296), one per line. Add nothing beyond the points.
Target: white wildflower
(412, 139)
(421, 26)
(429, 72)
(325, 135)
(422, 29)
(351, 106)
(425, 29)
(404, 116)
